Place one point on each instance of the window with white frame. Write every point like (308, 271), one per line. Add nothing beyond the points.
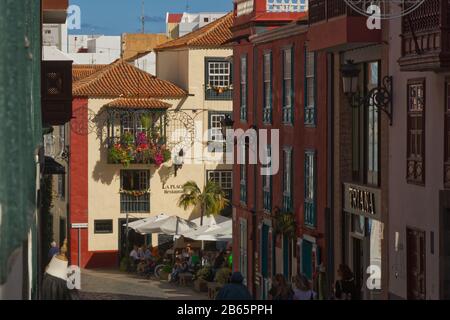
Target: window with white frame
(267, 112)
(288, 90)
(244, 87)
(132, 124)
(287, 180)
(222, 178)
(310, 188)
(137, 181)
(310, 84)
(267, 183)
(215, 120)
(243, 175)
(219, 74)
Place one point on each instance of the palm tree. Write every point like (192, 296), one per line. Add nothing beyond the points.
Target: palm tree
(212, 199)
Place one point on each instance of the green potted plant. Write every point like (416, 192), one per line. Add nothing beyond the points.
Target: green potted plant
(124, 264)
(165, 272)
(223, 276)
(202, 277)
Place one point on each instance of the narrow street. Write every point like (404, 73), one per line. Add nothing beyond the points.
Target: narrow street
(115, 285)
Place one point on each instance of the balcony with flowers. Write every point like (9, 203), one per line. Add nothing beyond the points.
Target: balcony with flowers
(136, 132)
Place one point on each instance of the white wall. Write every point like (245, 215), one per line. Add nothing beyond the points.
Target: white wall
(147, 63)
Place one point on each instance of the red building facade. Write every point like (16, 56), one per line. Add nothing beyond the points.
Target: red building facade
(278, 76)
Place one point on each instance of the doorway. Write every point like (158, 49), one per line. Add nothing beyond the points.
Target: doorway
(415, 264)
(133, 237)
(358, 264)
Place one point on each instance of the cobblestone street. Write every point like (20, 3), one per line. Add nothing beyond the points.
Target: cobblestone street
(115, 285)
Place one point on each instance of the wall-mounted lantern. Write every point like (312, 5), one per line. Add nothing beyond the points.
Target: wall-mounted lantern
(178, 161)
(379, 97)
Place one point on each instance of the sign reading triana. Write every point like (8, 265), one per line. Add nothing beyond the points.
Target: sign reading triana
(384, 8)
(363, 201)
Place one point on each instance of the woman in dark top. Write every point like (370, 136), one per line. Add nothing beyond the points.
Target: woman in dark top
(219, 261)
(345, 287)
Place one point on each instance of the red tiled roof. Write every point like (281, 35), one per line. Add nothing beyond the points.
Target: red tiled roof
(121, 79)
(81, 71)
(214, 34)
(138, 103)
(174, 17)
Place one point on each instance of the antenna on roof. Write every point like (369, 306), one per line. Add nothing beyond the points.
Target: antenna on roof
(143, 17)
(187, 6)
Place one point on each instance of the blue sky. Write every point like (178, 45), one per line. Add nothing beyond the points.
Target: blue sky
(114, 17)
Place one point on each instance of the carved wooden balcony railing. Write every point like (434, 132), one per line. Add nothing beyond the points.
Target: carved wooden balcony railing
(426, 37)
(56, 92)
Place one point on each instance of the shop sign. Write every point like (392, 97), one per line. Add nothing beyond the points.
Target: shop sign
(172, 189)
(363, 201)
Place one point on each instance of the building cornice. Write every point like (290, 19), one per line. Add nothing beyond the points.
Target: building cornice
(289, 30)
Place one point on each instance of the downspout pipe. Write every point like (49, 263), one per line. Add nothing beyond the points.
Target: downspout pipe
(330, 170)
(255, 167)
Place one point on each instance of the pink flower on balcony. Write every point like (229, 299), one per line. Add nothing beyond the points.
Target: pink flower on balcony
(141, 138)
(159, 159)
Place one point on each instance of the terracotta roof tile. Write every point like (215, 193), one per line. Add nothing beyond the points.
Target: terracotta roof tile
(81, 71)
(121, 79)
(214, 34)
(138, 103)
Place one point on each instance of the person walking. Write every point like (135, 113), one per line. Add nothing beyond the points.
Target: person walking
(280, 289)
(54, 250)
(345, 287)
(303, 289)
(235, 289)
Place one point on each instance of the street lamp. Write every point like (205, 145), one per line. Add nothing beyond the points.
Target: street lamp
(379, 97)
(178, 161)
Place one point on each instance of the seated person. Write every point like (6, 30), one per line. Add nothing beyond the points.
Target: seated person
(176, 270)
(134, 258)
(194, 259)
(148, 254)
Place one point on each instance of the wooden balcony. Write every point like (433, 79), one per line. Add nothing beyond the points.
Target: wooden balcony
(54, 11)
(333, 24)
(426, 38)
(56, 92)
(136, 136)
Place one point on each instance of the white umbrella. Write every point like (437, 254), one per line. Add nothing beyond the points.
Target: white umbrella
(208, 223)
(213, 232)
(135, 224)
(223, 232)
(212, 219)
(173, 225)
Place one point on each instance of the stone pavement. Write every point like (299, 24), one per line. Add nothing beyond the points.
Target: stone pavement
(116, 285)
